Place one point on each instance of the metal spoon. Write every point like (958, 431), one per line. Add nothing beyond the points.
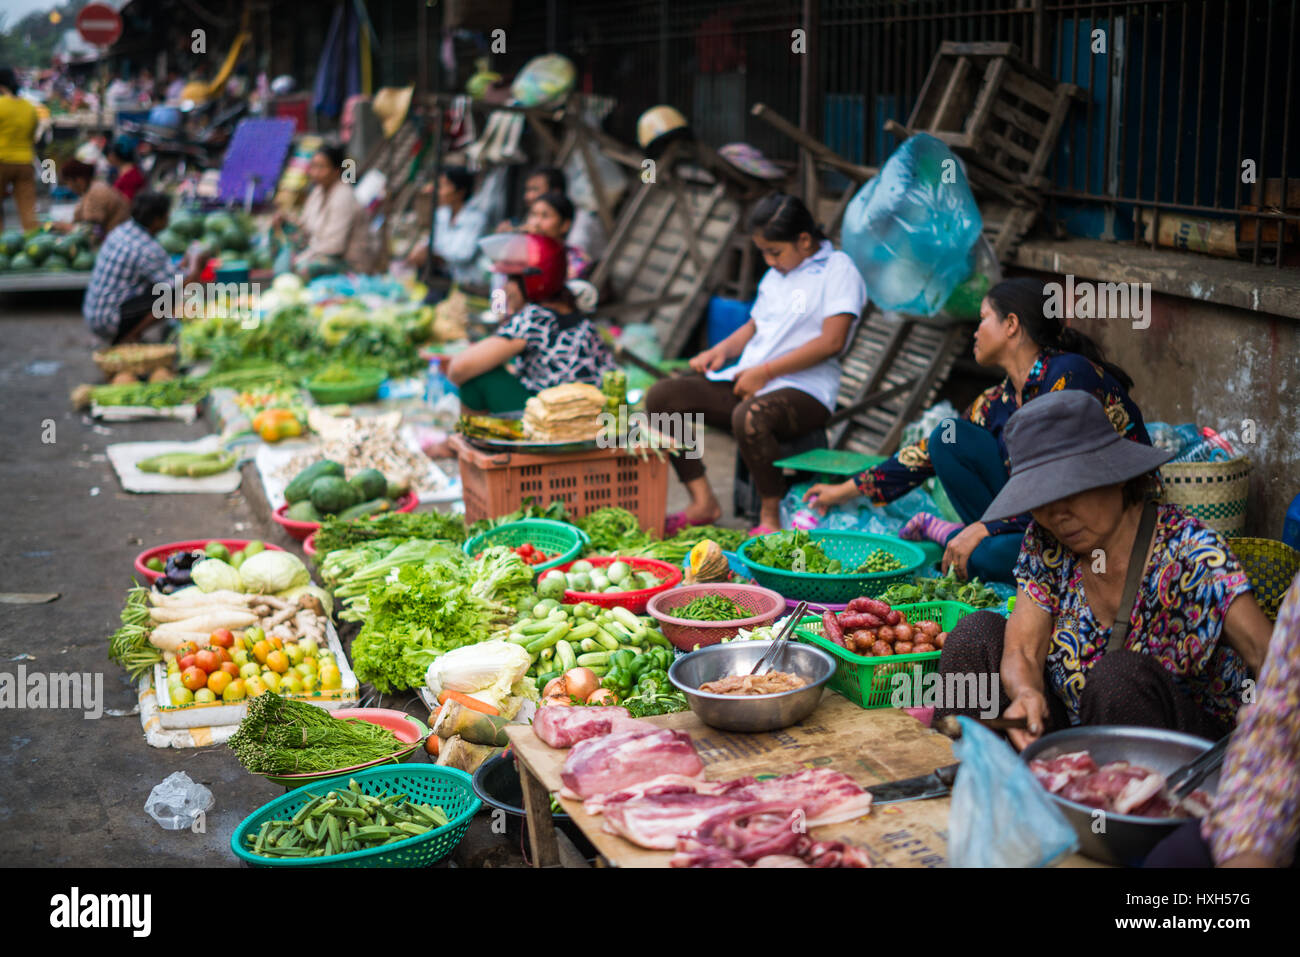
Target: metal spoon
(778, 646)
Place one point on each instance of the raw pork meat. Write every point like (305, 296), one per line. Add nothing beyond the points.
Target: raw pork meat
(626, 758)
(767, 834)
(664, 784)
(826, 796)
(656, 821)
(562, 727)
(1119, 786)
(1056, 773)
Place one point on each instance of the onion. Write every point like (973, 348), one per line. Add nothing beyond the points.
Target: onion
(581, 682)
(554, 686)
(561, 700)
(602, 696)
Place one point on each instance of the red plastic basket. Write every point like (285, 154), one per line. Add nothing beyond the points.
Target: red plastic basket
(633, 601)
(300, 530)
(686, 633)
(497, 483)
(195, 545)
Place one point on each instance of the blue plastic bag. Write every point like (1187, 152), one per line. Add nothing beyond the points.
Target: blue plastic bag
(1000, 815)
(911, 230)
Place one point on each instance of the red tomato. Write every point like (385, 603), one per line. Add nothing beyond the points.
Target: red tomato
(222, 638)
(230, 668)
(186, 661)
(194, 678)
(223, 655)
(208, 660)
(185, 648)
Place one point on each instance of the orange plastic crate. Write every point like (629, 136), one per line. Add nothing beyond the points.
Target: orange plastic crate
(496, 483)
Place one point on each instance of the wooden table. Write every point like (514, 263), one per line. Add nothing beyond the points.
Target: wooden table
(871, 746)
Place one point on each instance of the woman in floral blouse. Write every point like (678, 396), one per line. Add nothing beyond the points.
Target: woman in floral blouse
(1194, 634)
(1038, 356)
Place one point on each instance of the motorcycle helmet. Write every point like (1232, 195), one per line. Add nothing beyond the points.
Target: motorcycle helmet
(659, 126)
(282, 84)
(539, 260)
(545, 80)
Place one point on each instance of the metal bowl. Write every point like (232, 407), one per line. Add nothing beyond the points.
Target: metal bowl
(766, 712)
(1127, 838)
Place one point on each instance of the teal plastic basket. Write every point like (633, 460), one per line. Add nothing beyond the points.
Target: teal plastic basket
(544, 533)
(852, 549)
(867, 681)
(448, 788)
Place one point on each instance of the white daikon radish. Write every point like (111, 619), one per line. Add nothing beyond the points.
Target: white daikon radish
(210, 621)
(171, 640)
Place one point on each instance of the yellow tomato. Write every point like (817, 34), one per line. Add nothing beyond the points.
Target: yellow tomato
(330, 678)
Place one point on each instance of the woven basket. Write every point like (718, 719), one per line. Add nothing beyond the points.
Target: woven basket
(139, 359)
(1271, 567)
(1215, 492)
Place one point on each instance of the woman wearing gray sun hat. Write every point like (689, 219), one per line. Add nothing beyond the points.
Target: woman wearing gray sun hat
(1127, 611)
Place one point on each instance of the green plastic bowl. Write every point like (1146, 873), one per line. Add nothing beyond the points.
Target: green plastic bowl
(332, 393)
(568, 541)
(448, 788)
(852, 549)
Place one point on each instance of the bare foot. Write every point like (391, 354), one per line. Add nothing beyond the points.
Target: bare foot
(704, 514)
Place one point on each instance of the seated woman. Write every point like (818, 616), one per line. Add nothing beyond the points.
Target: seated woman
(129, 180)
(101, 206)
(785, 382)
(327, 230)
(1037, 355)
(1127, 611)
(551, 214)
(551, 342)
(1255, 820)
(457, 230)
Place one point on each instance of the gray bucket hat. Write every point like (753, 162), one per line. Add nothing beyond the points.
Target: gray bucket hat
(1061, 444)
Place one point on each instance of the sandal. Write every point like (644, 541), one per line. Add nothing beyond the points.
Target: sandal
(762, 530)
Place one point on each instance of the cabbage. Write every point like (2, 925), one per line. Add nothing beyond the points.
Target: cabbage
(326, 599)
(288, 286)
(212, 574)
(489, 671)
(268, 573)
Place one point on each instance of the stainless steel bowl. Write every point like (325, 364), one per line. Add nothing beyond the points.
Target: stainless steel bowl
(766, 712)
(1127, 838)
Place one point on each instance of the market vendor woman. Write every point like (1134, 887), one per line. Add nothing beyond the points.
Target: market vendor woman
(1038, 356)
(1127, 611)
(776, 377)
(550, 342)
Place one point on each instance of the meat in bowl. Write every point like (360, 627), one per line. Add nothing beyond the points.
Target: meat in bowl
(774, 682)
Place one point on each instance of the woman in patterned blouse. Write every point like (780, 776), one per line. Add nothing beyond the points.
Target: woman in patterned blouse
(1195, 633)
(1038, 356)
(547, 339)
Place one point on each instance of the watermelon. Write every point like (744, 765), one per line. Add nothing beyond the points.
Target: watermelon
(68, 246)
(213, 241)
(171, 241)
(55, 263)
(84, 262)
(4, 262)
(38, 247)
(234, 240)
(219, 222)
(11, 242)
(187, 225)
(21, 261)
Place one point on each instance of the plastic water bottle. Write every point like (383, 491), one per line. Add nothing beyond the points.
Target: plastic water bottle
(436, 383)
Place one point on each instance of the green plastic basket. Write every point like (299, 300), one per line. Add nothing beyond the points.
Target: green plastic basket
(867, 681)
(365, 387)
(544, 533)
(852, 549)
(448, 788)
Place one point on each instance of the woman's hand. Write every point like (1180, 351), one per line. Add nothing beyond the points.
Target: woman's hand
(1030, 704)
(505, 226)
(822, 497)
(62, 227)
(749, 381)
(710, 360)
(961, 545)
(1249, 859)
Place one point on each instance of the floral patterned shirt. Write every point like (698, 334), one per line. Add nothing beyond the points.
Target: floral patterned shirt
(1257, 807)
(1187, 588)
(1053, 371)
(555, 352)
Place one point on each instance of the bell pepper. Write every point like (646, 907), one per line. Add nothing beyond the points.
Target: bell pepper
(622, 659)
(619, 681)
(662, 657)
(643, 663)
(653, 682)
(272, 425)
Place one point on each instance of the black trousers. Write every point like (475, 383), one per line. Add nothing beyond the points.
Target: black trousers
(133, 312)
(1124, 687)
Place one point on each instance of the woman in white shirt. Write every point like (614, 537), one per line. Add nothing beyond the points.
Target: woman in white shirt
(458, 227)
(787, 372)
(329, 226)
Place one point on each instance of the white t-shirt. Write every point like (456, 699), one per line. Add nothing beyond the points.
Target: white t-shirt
(789, 312)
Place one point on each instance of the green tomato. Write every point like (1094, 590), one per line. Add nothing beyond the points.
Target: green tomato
(253, 547)
(181, 695)
(310, 683)
(204, 696)
(155, 564)
(291, 683)
(237, 559)
(215, 549)
(250, 670)
(239, 656)
(295, 653)
(307, 669)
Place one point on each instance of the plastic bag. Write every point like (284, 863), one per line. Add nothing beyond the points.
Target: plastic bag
(964, 303)
(911, 229)
(858, 515)
(1001, 816)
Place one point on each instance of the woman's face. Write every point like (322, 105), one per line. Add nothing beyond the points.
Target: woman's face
(321, 171)
(448, 194)
(783, 256)
(534, 188)
(1082, 522)
(514, 296)
(545, 220)
(993, 334)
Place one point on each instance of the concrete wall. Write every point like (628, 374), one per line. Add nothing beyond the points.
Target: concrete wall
(1218, 366)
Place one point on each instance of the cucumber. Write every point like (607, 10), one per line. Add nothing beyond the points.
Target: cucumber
(365, 509)
(296, 491)
(302, 512)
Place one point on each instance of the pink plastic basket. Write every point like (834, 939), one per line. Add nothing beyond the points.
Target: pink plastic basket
(685, 633)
